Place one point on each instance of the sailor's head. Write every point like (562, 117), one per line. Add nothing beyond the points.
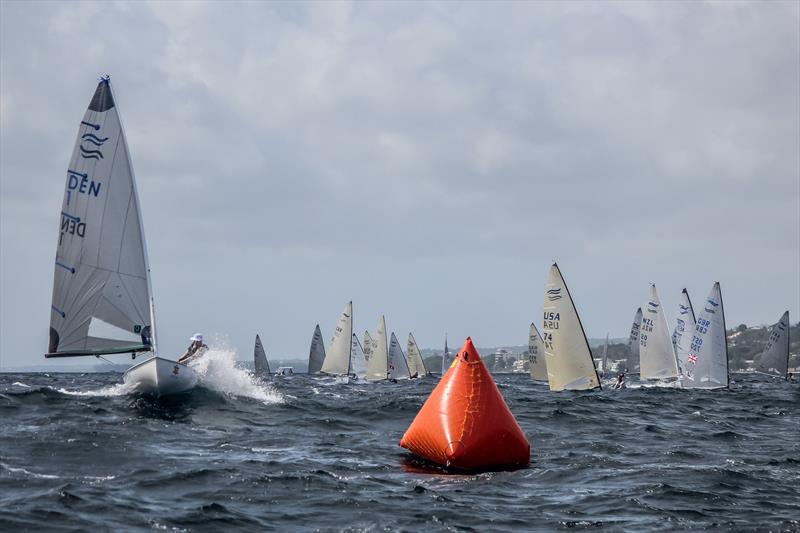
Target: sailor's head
(621, 375)
(197, 337)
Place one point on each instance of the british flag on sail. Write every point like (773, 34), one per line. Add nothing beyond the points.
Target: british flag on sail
(692, 358)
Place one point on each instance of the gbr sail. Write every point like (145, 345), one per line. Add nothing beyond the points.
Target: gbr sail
(337, 356)
(569, 359)
(416, 366)
(775, 357)
(707, 362)
(656, 355)
(316, 354)
(684, 329)
(102, 300)
(398, 366)
(378, 364)
(632, 363)
(536, 359)
(260, 359)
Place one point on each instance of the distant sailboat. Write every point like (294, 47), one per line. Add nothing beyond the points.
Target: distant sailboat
(316, 354)
(368, 343)
(684, 330)
(398, 366)
(416, 365)
(536, 357)
(261, 364)
(604, 358)
(656, 355)
(632, 363)
(102, 295)
(358, 363)
(569, 360)
(378, 364)
(707, 362)
(337, 356)
(774, 360)
(447, 359)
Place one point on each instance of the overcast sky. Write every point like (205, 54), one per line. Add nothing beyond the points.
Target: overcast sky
(426, 160)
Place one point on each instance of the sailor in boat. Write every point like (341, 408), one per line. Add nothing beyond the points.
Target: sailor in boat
(196, 349)
(620, 384)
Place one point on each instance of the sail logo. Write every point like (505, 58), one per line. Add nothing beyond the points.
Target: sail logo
(554, 294)
(712, 302)
(91, 150)
(684, 309)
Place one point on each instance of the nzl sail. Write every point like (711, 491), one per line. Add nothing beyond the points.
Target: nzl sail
(398, 366)
(260, 358)
(536, 359)
(633, 343)
(337, 358)
(707, 366)
(316, 355)
(775, 357)
(569, 360)
(102, 299)
(656, 355)
(416, 366)
(378, 364)
(684, 330)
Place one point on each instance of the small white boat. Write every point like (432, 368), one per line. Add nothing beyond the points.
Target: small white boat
(160, 377)
(285, 371)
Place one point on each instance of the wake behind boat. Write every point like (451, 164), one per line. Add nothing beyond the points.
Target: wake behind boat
(102, 295)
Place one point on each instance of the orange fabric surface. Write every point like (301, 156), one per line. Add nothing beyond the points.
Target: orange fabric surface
(465, 423)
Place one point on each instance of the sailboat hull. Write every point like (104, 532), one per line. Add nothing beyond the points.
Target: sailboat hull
(160, 377)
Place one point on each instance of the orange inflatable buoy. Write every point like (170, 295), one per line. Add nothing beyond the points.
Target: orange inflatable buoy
(465, 423)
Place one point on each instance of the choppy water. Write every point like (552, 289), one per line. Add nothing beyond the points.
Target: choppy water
(77, 453)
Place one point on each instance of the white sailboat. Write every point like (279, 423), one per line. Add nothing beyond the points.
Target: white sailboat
(656, 355)
(774, 360)
(398, 366)
(260, 359)
(416, 365)
(316, 354)
(447, 358)
(102, 295)
(338, 354)
(569, 360)
(358, 363)
(683, 332)
(378, 364)
(707, 362)
(632, 363)
(536, 357)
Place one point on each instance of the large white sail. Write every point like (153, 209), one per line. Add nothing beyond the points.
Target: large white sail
(337, 356)
(358, 363)
(378, 364)
(707, 362)
(102, 301)
(683, 332)
(536, 357)
(447, 358)
(775, 357)
(368, 343)
(656, 355)
(569, 359)
(398, 366)
(416, 366)
(316, 354)
(632, 363)
(260, 359)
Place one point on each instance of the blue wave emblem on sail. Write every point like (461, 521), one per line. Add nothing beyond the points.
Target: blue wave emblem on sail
(91, 154)
(94, 139)
(554, 294)
(652, 304)
(684, 309)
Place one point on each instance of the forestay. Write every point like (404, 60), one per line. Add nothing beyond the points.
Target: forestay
(656, 355)
(337, 356)
(102, 300)
(536, 358)
(569, 359)
(316, 355)
(632, 363)
(358, 364)
(378, 364)
(707, 362)
(398, 366)
(775, 357)
(684, 328)
(416, 365)
(261, 364)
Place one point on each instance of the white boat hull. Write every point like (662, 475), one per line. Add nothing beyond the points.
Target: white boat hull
(160, 377)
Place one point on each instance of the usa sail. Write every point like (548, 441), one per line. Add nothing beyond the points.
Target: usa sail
(536, 358)
(416, 366)
(378, 364)
(632, 363)
(774, 359)
(337, 356)
(569, 360)
(656, 355)
(707, 362)
(261, 364)
(358, 363)
(398, 366)
(316, 354)
(684, 329)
